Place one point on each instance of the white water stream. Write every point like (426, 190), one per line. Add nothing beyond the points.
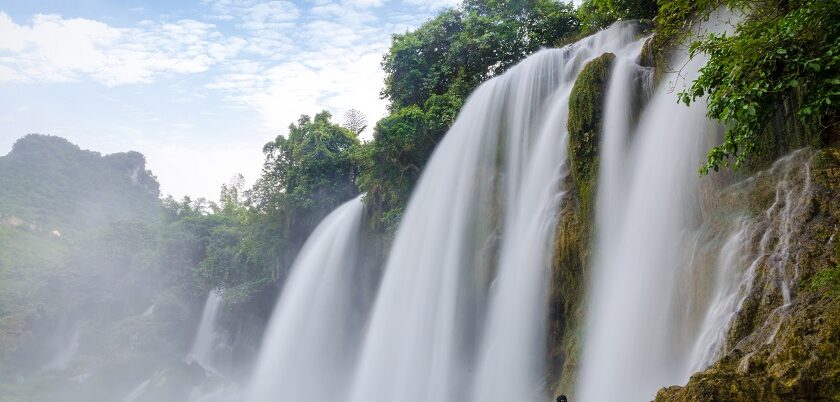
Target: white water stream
(646, 218)
(203, 350)
(309, 346)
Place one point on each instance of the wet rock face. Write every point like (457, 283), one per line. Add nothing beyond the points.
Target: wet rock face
(566, 295)
(800, 365)
(574, 226)
(784, 347)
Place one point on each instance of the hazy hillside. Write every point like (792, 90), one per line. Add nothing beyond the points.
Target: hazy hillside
(51, 183)
(88, 260)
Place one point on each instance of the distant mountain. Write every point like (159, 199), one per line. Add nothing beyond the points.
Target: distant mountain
(51, 184)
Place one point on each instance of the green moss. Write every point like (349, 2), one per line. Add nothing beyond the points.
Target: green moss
(574, 226)
(569, 268)
(827, 280)
(586, 110)
(802, 364)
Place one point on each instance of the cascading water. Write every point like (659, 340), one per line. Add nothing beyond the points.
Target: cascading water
(629, 82)
(515, 333)
(427, 339)
(731, 286)
(203, 350)
(149, 311)
(461, 308)
(658, 310)
(309, 347)
(643, 228)
(756, 248)
(137, 392)
(65, 355)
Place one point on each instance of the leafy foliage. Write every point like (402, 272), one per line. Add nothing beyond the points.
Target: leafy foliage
(430, 72)
(355, 121)
(599, 14)
(253, 236)
(458, 49)
(402, 142)
(782, 53)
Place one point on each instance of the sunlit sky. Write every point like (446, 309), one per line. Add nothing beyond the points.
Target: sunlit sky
(197, 86)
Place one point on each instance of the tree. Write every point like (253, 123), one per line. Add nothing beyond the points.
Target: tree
(355, 121)
(430, 71)
(253, 239)
(599, 14)
(231, 193)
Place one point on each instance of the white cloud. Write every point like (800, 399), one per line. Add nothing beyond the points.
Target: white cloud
(271, 15)
(329, 60)
(362, 3)
(55, 49)
(12, 36)
(433, 5)
(312, 83)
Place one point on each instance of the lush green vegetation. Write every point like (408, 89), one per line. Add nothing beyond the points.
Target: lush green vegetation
(51, 183)
(782, 56)
(599, 14)
(586, 115)
(253, 235)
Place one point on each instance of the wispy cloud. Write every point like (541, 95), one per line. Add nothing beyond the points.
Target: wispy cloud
(322, 56)
(54, 49)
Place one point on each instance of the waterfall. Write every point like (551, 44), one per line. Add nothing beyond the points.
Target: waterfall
(460, 312)
(761, 241)
(137, 391)
(731, 287)
(206, 338)
(511, 360)
(668, 278)
(628, 82)
(439, 330)
(65, 355)
(310, 344)
(149, 311)
(642, 231)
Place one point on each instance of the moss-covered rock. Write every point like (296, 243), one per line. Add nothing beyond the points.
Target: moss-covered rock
(574, 225)
(801, 364)
(586, 111)
(647, 57)
(566, 295)
(777, 351)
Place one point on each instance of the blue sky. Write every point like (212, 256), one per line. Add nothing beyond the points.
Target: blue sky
(197, 86)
